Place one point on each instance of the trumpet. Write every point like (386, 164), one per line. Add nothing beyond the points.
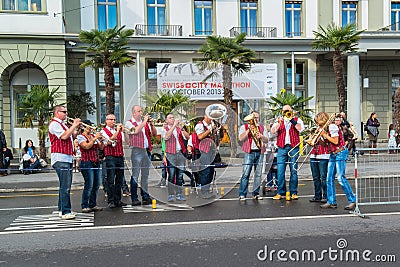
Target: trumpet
(288, 115)
(71, 121)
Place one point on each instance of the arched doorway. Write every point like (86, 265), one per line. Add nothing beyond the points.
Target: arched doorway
(23, 75)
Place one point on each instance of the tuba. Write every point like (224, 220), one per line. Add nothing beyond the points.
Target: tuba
(254, 130)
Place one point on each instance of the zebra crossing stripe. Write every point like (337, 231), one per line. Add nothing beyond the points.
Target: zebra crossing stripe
(50, 221)
(160, 207)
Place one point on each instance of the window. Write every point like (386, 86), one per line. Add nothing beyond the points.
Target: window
(299, 76)
(151, 74)
(248, 16)
(293, 18)
(102, 95)
(156, 19)
(22, 5)
(203, 17)
(107, 14)
(395, 16)
(349, 12)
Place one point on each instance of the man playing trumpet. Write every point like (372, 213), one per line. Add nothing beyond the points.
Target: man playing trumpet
(114, 153)
(174, 147)
(253, 140)
(288, 129)
(140, 132)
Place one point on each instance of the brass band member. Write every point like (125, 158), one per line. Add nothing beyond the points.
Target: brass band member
(62, 147)
(207, 149)
(90, 166)
(174, 147)
(253, 155)
(288, 129)
(114, 153)
(319, 159)
(140, 131)
(337, 165)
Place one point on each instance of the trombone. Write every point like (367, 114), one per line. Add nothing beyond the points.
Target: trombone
(311, 140)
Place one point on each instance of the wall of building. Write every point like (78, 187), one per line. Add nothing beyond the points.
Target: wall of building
(75, 74)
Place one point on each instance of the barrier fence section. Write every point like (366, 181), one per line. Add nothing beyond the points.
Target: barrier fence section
(377, 173)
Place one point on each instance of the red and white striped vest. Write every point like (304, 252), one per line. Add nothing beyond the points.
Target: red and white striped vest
(170, 144)
(137, 140)
(116, 151)
(61, 146)
(246, 145)
(333, 147)
(320, 149)
(293, 134)
(90, 154)
(205, 143)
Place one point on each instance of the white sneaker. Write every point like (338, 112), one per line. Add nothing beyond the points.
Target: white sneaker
(60, 214)
(242, 198)
(68, 216)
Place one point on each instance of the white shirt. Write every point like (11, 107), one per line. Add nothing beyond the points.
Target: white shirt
(287, 127)
(56, 129)
(199, 129)
(129, 125)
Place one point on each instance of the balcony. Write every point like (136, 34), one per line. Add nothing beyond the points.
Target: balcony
(158, 30)
(261, 32)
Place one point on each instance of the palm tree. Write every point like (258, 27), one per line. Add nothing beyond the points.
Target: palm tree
(107, 49)
(297, 103)
(234, 58)
(38, 105)
(166, 103)
(341, 40)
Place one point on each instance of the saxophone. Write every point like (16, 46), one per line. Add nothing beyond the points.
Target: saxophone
(254, 130)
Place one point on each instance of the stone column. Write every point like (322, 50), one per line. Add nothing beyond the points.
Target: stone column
(354, 91)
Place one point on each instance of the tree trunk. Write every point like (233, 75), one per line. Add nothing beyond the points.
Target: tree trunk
(110, 86)
(338, 69)
(228, 96)
(396, 115)
(42, 133)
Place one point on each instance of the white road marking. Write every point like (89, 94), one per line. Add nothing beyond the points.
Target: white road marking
(197, 223)
(49, 221)
(160, 207)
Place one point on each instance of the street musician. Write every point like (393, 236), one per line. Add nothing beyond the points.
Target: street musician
(253, 137)
(288, 129)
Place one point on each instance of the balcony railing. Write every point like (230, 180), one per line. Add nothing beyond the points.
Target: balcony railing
(261, 32)
(158, 30)
(395, 27)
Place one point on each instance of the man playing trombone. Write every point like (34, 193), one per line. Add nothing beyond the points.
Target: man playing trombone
(253, 140)
(140, 132)
(287, 129)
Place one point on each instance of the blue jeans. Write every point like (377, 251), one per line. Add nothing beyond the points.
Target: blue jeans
(140, 164)
(64, 173)
(175, 172)
(319, 169)
(251, 159)
(91, 174)
(337, 164)
(115, 176)
(282, 159)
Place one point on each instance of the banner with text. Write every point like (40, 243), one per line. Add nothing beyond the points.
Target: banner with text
(259, 83)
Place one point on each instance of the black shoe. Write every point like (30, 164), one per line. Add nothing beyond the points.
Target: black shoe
(328, 206)
(146, 201)
(121, 204)
(136, 202)
(351, 206)
(315, 199)
(111, 205)
(324, 200)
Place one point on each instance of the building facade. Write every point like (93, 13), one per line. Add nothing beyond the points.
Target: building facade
(39, 45)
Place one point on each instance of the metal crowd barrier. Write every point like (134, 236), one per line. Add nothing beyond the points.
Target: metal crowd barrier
(377, 176)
